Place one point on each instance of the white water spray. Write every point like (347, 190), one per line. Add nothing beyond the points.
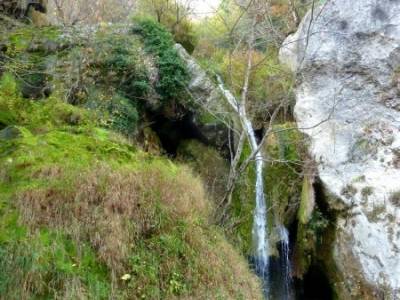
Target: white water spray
(285, 263)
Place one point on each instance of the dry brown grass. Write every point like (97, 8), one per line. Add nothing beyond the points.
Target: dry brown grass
(221, 268)
(124, 213)
(113, 209)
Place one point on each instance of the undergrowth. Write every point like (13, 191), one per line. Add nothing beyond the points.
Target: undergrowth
(172, 71)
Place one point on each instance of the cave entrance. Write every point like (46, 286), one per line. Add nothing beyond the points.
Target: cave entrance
(315, 285)
(172, 132)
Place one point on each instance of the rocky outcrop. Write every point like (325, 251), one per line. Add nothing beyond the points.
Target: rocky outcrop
(210, 110)
(347, 58)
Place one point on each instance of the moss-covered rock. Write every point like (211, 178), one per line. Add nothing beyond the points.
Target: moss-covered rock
(283, 174)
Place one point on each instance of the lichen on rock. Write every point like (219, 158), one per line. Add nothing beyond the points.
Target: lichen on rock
(345, 55)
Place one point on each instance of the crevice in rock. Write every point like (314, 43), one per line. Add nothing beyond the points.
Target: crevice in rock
(322, 273)
(316, 275)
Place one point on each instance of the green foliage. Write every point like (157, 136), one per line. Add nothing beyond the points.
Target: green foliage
(119, 93)
(174, 17)
(80, 209)
(172, 71)
(124, 115)
(120, 57)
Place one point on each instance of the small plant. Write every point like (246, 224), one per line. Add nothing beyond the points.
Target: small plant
(318, 222)
(176, 284)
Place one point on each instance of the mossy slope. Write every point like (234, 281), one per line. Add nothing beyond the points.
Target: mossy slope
(86, 215)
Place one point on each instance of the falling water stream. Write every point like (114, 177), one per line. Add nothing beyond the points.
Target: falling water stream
(259, 232)
(284, 267)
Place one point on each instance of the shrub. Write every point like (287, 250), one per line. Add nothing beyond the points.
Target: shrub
(124, 115)
(172, 71)
(120, 56)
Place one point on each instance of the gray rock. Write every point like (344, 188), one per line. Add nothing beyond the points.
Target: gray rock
(208, 100)
(348, 98)
(10, 133)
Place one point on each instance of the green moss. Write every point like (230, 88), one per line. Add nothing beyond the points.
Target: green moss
(214, 171)
(39, 116)
(243, 205)
(209, 164)
(283, 180)
(208, 118)
(80, 207)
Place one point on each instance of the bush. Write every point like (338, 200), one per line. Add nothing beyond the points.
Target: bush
(120, 57)
(172, 71)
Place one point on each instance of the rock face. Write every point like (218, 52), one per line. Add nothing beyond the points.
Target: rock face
(347, 58)
(210, 115)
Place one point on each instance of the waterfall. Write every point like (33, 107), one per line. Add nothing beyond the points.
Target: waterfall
(259, 232)
(284, 262)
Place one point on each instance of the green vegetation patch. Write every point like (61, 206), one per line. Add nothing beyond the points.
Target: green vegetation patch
(172, 71)
(283, 174)
(83, 214)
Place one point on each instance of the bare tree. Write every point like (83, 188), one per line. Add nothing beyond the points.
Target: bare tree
(69, 12)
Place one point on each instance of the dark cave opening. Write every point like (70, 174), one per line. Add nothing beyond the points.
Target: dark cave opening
(315, 285)
(172, 131)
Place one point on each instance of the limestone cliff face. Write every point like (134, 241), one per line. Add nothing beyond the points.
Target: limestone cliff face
(346, 55)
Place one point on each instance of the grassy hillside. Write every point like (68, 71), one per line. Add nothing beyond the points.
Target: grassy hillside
(84, 213)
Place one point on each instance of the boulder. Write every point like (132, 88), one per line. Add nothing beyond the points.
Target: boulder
(10, 133)
(346, 55)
